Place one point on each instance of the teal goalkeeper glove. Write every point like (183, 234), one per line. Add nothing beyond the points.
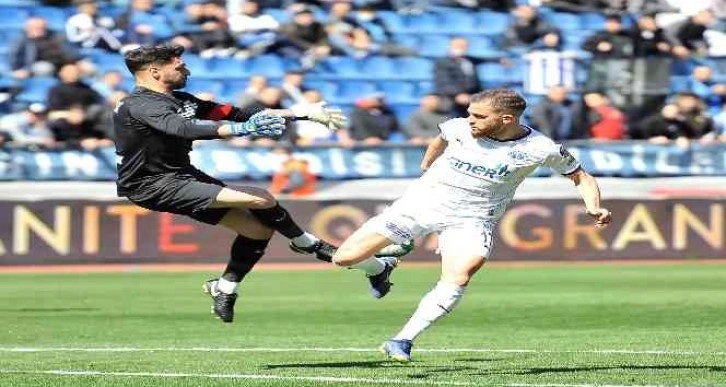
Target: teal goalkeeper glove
(261, 124)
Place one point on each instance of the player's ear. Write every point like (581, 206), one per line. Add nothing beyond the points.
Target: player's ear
(507, 119)
(155, 73)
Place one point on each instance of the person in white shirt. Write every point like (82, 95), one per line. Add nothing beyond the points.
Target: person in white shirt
(88, 29)
(29, 127)
(472, 170)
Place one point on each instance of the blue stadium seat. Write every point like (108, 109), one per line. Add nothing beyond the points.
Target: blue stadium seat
(326, 88)
(424, 87)
(36, 89)
(399, 91)
(434, 46)
(340, 67)
(13, 18)
(482, 47)
(393, 20)
(491, 74)
(225, 68)
(349, 91)
(592, 21)
(107, 61)
(281, 15)
(457, 22)
(203, 85)
(197, 65)
(415, 68)
(565, 21)
(492, 23)
(679, 83)
(379, 67)
(270, 66)
(403, 111)
(408, 40)
(423, 23)
(56, 17)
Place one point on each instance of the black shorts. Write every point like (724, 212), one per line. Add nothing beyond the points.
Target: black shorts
(189, 193)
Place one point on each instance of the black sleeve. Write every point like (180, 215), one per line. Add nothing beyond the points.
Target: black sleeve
(164, 118)
(208, 110)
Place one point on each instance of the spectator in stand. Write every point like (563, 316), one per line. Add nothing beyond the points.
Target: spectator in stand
(719, 121)
(294, 176)
(555, 115)
(649, 39)
(310, 132)
(702, 84)
(41, 52)
(28, 127)
(358, 44)
(372, 122)
(687, 37)
(612, 43)
(605, 121)
(110, 83)
(213, 38)
(455, 77)
(423, 125)
(254, 88)
(88, 29)
(304, 38)
(254, 31)
(527, 27)
(78, 115)
(142, 24)
(367, 17)
(549, 65)
(292, 87)
(682, 121)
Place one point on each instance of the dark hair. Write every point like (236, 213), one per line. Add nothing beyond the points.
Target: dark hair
(142, 57)
(502, 100)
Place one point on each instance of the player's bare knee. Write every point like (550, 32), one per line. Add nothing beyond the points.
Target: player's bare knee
(345, 258)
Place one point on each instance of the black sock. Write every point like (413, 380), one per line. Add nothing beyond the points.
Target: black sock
(244, 254)
(278, 219)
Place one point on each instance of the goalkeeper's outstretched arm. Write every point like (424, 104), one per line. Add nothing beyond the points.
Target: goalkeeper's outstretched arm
(434, 150)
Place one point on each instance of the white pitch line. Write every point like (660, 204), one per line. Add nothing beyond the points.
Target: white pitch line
(364, 350)
(328, 379)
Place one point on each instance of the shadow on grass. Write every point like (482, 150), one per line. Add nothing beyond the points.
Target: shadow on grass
(341, 364)
(547, 370)
(54, 310)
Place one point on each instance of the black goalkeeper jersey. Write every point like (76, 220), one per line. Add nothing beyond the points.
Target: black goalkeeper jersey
(154, 133)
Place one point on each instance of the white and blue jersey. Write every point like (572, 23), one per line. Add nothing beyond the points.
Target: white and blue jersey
(468, 187)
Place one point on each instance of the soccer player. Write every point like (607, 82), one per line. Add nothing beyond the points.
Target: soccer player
(155, 126)
(471, 170)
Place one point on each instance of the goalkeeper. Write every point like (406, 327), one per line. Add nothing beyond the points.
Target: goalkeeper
(155, 126)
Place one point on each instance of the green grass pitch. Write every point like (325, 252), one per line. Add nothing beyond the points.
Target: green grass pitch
(552, 326)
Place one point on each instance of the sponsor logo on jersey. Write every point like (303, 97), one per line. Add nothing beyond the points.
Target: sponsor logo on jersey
(499, 170)
(188, 110)
(398, 231)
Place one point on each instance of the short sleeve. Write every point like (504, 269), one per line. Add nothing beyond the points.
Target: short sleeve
(561, 160)
(448, 129)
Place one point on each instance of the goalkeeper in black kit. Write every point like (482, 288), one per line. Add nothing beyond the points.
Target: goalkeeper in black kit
(155, 126)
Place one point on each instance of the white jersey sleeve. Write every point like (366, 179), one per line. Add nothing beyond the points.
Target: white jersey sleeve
(560, 160)
(452, 129)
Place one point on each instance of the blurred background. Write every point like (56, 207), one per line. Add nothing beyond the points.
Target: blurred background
(636, 89)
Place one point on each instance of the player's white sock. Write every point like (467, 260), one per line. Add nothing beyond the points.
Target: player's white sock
(371, 266)
(437, 303)
(227, 287)
(304, 240)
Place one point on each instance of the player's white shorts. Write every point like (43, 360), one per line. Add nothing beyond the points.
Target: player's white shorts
(465, 236)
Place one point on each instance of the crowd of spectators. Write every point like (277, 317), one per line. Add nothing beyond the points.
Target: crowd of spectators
(77, 108)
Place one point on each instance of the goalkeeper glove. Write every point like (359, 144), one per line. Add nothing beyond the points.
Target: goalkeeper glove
(332, 118)
(261, 124)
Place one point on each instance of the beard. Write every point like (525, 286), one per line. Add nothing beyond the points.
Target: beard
(177, 83)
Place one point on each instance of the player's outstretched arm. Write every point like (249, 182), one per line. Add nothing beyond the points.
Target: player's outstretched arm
(331, 117)
(590, 193)
(434, 150)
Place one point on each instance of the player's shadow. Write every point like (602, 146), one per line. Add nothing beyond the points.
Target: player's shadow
(547, 370)
(54, 310)
(555, 370)
(340, 364)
